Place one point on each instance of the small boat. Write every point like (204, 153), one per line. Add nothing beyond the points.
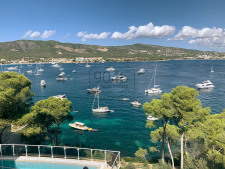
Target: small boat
(74, 71)
(212, 69)
(126, 99)
(99, 109)
(135, 103)
(29, 71)
(119, 78)
(43, 83)
(155, 89)
(94, 90)
(110, 69)
(29, 65)
(55, 65)
(62, 77)
(152, 118)
(141, 71)
(60, 96)
(205, 85)
(79, 126)
(87, 65)
(61, 68)
(12, 68)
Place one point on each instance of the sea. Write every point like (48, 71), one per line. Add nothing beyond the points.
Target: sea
(124, 128)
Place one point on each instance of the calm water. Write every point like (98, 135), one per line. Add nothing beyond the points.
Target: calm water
(124, 130)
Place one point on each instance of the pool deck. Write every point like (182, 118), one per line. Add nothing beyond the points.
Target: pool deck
(99, 164)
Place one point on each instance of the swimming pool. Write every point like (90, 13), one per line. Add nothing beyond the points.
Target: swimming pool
(11, 164)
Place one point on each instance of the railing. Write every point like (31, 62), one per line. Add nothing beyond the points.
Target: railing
(112, 158)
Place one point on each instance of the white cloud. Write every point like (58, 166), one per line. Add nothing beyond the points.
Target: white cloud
(208, 37)
(145, 31)
(67, 35)
(190, 32)
(48, 33)
(86, 36)
(26, 34)
(35, 34)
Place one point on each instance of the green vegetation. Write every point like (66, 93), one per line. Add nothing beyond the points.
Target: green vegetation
(34, 50)
(184, 122)
(46, 118)
(15, 99)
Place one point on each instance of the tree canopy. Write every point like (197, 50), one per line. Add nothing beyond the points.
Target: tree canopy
(46, 118)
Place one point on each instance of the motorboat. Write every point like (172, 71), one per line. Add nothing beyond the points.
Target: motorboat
(79, 126)
(205, 85)
(110, 69)
(99, 109)
(12, 68)
(119, 77)
(141, 71)
(155, 89)
(29, 71)
(125, 99)
(61, 68)
(74, 71)
(43, 83)
(135, 103)
(94, 90)
(62, 77)
(60, 96)
(152, 118)
(55, 65)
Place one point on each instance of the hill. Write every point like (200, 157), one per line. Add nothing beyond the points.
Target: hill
(52, 49)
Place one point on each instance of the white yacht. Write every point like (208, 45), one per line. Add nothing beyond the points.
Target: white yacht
(110, 69)
(29, 71)
(60, 96)
(125, 99)
(74, 71)
(119, 77)
(135, 103)
(155, 89)
(61, 68)
(62, 77)
(152, 118)
(99, 109)
(79, 126)
(94, 90)
(12, 68)
(55, 65)
(141, 71)
(205, 85)
(43, 83)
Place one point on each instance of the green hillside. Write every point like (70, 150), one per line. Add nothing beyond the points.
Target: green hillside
(53, 49)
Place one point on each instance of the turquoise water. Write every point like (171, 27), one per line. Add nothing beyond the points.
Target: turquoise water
(124, 129)
(39, 165)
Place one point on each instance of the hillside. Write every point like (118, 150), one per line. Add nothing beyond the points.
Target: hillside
(53, 49)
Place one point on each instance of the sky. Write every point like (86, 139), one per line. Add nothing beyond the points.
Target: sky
(191, 24)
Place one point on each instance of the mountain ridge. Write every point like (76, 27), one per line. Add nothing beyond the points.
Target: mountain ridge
(54, 49)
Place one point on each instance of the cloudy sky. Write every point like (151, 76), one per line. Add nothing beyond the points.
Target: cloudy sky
(192, 24)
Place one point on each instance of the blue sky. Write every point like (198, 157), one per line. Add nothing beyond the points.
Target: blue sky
(193, 24)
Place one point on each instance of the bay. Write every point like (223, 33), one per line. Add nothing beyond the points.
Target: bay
(124, 129)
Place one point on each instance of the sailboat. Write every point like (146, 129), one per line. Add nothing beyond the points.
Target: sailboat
(87, 65)
(99, 109)
(155, 89)
(212, 69)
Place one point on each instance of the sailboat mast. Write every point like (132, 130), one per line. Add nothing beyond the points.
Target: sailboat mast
(98, 98)
(155, 75)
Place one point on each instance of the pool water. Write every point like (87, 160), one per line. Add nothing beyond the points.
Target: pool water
(10, 164)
